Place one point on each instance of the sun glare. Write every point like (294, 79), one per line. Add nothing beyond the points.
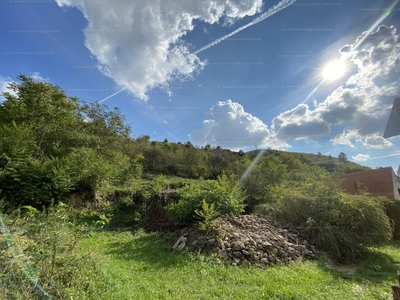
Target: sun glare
(334, 70)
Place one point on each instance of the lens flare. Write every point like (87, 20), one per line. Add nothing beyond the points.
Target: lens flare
(334, 70)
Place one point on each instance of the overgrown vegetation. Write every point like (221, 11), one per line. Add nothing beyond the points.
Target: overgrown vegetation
(55, 148)
(38, 256)
(343, 225)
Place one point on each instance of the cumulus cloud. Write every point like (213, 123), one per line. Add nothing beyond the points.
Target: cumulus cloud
(362, 105)
(138, 43)
(361, 157)
(298, 123)
(345, 138)
(231, 127)
(376, 142)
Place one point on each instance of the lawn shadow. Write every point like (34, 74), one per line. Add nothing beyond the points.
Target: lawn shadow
(376, 267)
(152, 249)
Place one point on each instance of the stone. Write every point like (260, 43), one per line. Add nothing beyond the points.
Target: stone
(245, 263)
(245, 252)
(251, 240)
(237, 246)
(237, 253)
(223, 255)
(264, 260)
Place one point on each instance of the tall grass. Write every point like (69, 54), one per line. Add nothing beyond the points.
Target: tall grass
(38, 257)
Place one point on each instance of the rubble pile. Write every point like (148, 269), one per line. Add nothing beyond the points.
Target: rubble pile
(249, 240)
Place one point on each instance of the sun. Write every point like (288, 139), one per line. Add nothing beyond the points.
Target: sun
(334, 70)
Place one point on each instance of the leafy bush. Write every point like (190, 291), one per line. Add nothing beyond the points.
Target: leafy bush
(34, 182)
(225, 194)
(343, 225)
(393, 211)
(208, 214)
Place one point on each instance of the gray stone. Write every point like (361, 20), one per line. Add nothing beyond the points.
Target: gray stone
(237, 253)
(245, 252)
(237, 246)
(246, 263)
(264, 260)
(223, 254)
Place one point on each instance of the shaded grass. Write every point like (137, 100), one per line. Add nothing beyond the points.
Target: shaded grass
(144, 266)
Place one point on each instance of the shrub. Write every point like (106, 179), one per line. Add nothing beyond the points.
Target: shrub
(393, 211)
(226, 196)
(208, 214)
(343, 225)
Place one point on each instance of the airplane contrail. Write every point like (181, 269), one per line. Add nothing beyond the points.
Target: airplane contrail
(106, 98)
(390, 155)
(273, 10)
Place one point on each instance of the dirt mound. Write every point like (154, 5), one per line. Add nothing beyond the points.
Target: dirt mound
(249, 240)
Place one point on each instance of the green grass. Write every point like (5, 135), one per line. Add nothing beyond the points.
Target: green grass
(144, 266)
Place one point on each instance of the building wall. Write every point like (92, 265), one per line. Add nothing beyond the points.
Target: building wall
(396, 187)
(377, 182)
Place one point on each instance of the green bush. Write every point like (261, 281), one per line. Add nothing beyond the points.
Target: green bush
(225, 194)
(34, 182)
(393, 211)
(343, 225)
(208, 215)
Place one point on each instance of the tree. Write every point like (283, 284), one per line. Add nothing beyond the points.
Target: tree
(50, 113)
(342, 157)
(52, 144)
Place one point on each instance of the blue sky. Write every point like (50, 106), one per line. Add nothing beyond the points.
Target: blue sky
(263, 86)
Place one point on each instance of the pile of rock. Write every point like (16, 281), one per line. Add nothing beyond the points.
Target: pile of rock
(249, 240)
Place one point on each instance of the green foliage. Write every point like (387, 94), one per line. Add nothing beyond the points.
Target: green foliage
(341, 224)
(342, 157)
(52, 144)
(208, 214)
(225, 195)
(38, 251)
(34, 182)
(393, 211)
(263, 179)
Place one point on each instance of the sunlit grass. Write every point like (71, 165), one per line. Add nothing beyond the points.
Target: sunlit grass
(144, 266)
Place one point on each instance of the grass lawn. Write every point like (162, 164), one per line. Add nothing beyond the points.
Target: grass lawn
(144, 266)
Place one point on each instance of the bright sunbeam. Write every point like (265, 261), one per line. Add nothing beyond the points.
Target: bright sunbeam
(334, 70)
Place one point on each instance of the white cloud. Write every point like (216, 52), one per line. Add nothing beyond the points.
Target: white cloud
(37, 77)
(377, 142)
(4, 81)
(298, 123)
(138, 43)
(345, 138)
(361, 157)
(362, 105)
(231, 127)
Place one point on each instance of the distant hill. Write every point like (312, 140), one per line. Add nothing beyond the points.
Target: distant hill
(329, 163)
